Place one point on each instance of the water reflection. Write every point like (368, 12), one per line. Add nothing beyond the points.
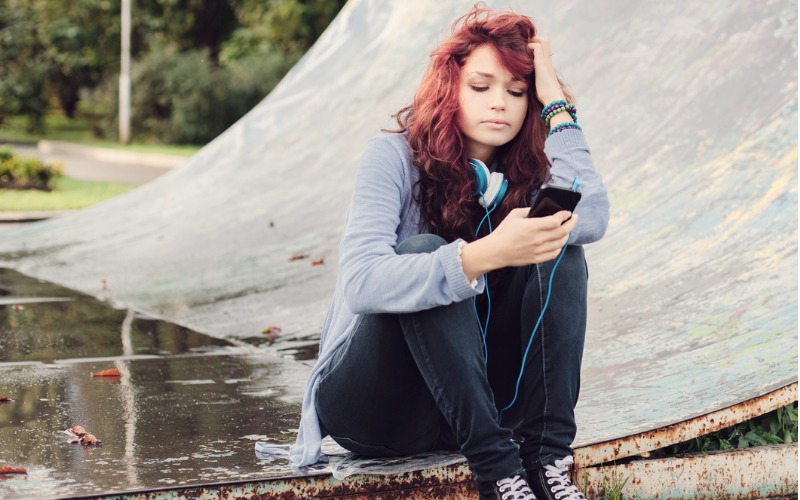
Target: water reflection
(84, 328)
(187, 414)
(157, 427)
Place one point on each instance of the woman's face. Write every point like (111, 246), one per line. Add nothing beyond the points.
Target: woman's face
(493, 103)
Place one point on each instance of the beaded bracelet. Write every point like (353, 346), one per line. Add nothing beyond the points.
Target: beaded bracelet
(569, 108)
(563, 126)
(555, 104)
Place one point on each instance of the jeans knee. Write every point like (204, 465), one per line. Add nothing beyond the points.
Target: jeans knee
(420, 243)
(573, 261)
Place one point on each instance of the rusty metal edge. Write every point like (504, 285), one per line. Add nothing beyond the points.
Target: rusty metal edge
(458, 478)
(679, 432)
(760, 472)
(439, 482)
(749, 473)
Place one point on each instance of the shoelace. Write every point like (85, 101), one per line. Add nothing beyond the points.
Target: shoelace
(558, 473)
(515, 488)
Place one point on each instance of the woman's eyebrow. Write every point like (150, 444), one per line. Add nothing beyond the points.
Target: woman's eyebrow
(480, 73)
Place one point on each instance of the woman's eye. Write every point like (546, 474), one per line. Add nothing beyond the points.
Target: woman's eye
(516, 93)
(479, 89)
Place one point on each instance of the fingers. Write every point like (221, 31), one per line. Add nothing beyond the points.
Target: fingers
(563, 216)
(548, 88)
(518, 213)
(556, 228)
(553, 221)
(570, 224)
(533, 240)
(541, 46)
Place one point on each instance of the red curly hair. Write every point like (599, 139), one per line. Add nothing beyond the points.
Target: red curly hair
(445, 191)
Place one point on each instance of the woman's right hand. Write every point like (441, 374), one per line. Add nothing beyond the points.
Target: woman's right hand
(518, 241)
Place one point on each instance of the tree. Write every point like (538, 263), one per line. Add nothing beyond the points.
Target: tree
(24, 69)
(81, 42)
(51, 51)
(291, 26)
(186, 24)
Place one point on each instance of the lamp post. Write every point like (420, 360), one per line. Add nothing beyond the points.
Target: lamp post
(125, 75)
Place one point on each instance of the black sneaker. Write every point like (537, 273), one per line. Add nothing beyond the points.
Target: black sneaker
(552, 482)
(510, 488)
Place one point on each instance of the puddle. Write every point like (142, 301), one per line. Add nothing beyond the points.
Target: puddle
(183, 411)
(64, 324)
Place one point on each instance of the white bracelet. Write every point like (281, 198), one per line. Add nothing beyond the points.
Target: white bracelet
(461, 245)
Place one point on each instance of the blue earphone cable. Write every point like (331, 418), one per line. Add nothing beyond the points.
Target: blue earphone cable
(485, 326)
(533, 334)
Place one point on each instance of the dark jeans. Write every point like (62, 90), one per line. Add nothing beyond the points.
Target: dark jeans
(417, 382)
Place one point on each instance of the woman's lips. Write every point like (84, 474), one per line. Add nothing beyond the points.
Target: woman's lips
(495, 124)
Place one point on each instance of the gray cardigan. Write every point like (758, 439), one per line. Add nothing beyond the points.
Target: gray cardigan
(372, 278)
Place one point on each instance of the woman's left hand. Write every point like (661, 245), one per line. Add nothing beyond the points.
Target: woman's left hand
(548, 89)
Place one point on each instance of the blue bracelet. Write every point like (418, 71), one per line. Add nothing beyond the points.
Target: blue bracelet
(555, 104)
(563, 126)
(569, 108)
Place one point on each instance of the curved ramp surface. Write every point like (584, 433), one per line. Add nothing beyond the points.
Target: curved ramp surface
(691, 110)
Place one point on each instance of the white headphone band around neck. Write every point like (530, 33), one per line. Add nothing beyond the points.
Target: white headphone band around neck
(490, 187)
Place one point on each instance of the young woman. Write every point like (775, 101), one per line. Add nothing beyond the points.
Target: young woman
(434, 339)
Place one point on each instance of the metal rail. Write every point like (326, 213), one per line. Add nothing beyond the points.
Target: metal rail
(683, 431)
(749, 473)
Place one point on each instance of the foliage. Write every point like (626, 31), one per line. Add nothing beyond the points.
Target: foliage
(612, 490)
(26, 172)
(50, 49)
(23, 67)
(185, 25)
(222, 57)
(81, 41)
(187, 98)
(777, 427)
(290, 26)
(70, 194)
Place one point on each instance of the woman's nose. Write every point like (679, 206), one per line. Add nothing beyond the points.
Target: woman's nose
(498, 101)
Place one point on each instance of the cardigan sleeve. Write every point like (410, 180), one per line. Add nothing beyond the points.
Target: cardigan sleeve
(375, 278)
(569, 158)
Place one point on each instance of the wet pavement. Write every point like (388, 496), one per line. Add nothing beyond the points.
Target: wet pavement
(187, 408)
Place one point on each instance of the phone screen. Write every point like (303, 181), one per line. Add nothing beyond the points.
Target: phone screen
(552, 199)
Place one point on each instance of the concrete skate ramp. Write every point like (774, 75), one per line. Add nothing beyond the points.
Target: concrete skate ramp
(691, 112)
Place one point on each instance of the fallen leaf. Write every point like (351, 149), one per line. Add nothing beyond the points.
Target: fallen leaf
(90, 440)
(317, 262)
(78, 430)
(111, 372)
(298, 256)
(7, 469)
(271, 329)
(79, 435)
(5, 399)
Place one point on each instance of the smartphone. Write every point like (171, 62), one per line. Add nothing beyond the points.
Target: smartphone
(553, 198)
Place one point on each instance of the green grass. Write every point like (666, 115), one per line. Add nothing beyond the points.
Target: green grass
(775, 427)
(612, 490)
(78, 130)
(69, 194)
